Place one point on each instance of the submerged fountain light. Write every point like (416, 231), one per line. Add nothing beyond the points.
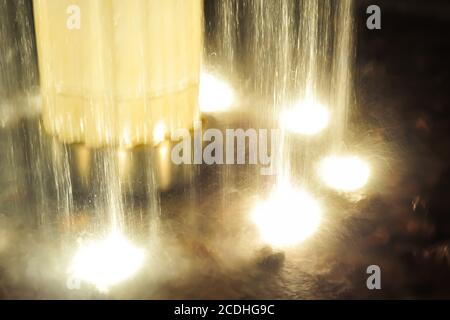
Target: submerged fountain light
(308, 118)
(106, 262)
(288, 217)
(344, 173)
(215, 94)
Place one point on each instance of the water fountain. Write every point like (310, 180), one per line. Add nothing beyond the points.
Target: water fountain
(114, 88)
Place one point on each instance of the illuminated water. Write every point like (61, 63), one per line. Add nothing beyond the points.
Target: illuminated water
(276, 55)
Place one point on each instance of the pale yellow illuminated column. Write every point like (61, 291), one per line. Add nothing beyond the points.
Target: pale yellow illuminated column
(128, 75)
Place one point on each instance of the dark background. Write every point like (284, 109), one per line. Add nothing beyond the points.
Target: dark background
(402, 77)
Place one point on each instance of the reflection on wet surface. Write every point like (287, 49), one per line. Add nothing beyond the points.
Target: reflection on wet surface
(194, 222)
(204, 245)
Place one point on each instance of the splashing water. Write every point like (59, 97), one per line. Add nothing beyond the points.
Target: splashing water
(288, 59)
(106, 262)
(288, 217)
(294, 59)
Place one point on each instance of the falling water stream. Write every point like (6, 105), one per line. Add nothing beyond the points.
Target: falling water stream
(276, 55)
(283, 53)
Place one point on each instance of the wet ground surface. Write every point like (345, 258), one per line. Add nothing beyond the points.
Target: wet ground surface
(208, 248)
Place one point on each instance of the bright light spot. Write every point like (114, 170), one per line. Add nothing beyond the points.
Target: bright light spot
(159, 132)
(126, 137)
(288, 217)
(106, 262)
(344, 173)
(308, 118)
(123, 155)
(215, 94)
(163, 151)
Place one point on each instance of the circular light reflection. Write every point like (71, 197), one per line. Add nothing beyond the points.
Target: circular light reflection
(344, 173)
(307, 118)
(106, 262)
(288, 217)
(215, 95)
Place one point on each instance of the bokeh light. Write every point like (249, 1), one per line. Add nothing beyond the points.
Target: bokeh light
(307, 118)
(215, 94)
(106, 262)
(344, 173)
(288, 217)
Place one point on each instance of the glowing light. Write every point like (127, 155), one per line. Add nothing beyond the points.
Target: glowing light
(106, 262)
(344, 173)
(163, 151)
(288, 217)
(159, 132)
(126, 138)
(215, 94)
(308, 118)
